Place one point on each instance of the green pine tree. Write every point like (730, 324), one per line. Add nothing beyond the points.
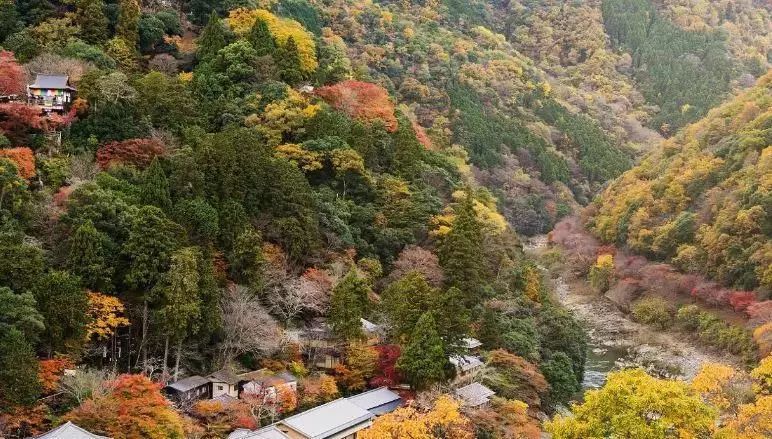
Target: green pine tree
(19, 384)
(406, 300)
(289, 62)
(90, 257)
(155, 190)
(423, 360)
(261, 39)
(348, 305)
(212, 38)
(91, 18)
(452, 319)
(128, 22)
(63, 303)
(462, 253)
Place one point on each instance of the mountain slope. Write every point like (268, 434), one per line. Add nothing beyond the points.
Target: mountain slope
(702, 200)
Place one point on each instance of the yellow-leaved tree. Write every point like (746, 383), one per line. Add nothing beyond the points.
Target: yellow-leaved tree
(633, 404)
(241, 21)
(409, 423)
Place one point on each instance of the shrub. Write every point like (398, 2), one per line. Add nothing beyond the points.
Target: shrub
(137, 152)
(688, 316)
(654, 311)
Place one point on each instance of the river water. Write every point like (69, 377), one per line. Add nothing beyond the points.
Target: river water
(617, 342)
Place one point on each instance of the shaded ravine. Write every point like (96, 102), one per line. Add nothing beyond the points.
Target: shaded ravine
(616, 342)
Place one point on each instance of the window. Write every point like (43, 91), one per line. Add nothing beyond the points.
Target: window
(219, 387)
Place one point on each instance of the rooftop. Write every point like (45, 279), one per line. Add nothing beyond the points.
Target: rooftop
(224, 376)
(474, 394)
(328, 419)
(465, 362)
(377, 401)
(270, 432)
(52, 81)
(69, 431)
(471, 343)
(268, 377)
(188, 383)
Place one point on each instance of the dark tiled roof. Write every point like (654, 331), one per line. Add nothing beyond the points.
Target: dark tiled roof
(188, 383)
(52, 82)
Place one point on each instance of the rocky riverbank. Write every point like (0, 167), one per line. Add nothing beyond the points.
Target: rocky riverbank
(618, 342)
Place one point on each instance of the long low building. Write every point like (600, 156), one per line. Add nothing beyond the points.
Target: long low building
(339, 419)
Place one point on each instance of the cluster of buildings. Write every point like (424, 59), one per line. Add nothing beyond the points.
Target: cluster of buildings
(338, 419)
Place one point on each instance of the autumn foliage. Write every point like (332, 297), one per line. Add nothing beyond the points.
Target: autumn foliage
(137, 152)
(11, 74)
(51, 372)
(24, 160)
(106, 314)
(361, 100)
(386, 366)
(133, 409)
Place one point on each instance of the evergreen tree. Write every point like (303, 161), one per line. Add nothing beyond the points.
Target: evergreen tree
(289, 62)
(452, 319)
(261, 39)
(406, 300)
(92, 20)
(19, 384)
(63, 303)
(246, 260)
(212, 38)
(128, 22)
(155, 190)
(423, 359)
(90, 257)
(462, 253)
(152, 239)
(19, 311)
(348, 305)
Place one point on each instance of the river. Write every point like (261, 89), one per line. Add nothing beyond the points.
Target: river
(616, 342)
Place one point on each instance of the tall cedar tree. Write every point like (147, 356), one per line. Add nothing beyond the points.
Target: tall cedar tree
(91, 18)
(212, 38)
(19, 311)
(406, 300)
(290, 68)
(462, 253)
(19, 383)
(155, 189)
(90, 257)
(63, 303)
(261, 39)
(348, 305)
(424, 358)
(128, 22)
(452, 319)
(178, 294)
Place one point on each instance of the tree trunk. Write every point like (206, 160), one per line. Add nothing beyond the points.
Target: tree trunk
(177, 360)
(143, 346)
(166, 357)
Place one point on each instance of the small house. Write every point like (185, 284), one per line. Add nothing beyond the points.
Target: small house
(269, 432)
(267, 383)
(474, 395)
(189, 389)
(466, 364)
(51, 92)
(470, 344)
(69, 430)
(224, 382)
(335, 420)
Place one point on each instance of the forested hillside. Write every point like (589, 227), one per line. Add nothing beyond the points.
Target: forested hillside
(701, 199)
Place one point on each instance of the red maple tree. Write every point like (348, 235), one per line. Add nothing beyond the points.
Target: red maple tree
(11, 74)
(361, 100)
(23, 158)
(137, 152)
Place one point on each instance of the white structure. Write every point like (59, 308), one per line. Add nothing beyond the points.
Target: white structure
(470, 343)
(69, 431)
(224, 382)
(466, 364)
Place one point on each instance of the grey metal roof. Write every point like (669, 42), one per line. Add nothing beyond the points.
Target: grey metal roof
(475, 394)
(269, 432)
(188, 383)
(328, 419)
(369, 326)
(286, 376)
(465, 362)
(51, 81)
(69, 431)
(224, 376)
(377, 401)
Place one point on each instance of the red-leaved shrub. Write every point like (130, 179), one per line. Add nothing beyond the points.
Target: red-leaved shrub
(386, 370)
(740, 300)
(137, 152)
(361, 100)
(24, 160)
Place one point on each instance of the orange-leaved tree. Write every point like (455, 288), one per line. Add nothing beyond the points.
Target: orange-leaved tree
(11, 74)
(133, 409)
(24, 160)
(361, 100)
(137, 152)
